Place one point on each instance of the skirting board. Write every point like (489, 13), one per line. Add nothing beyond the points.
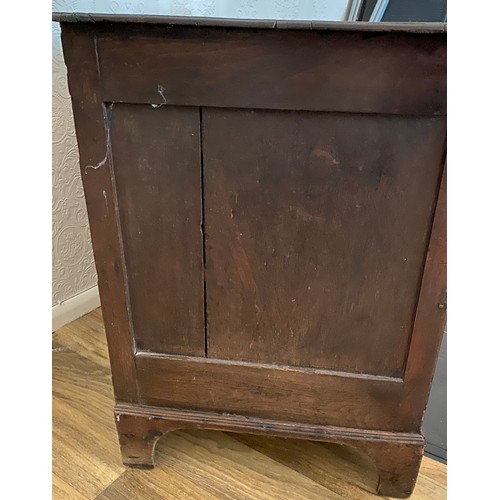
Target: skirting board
(76, 306)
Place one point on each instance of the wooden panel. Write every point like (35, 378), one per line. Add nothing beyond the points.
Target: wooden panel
(333, 71)
(92, 131)
(316, 231)
(430, 317)
(156, 158)
(270, 392)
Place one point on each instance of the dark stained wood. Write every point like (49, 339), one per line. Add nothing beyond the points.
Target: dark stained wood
(316, 245)
(156, 158)
(396, 455)
(397, 464)
(327, 71)
(267, 195)
(413, 27)
(92, 131)
(302, 395)
(430, 317)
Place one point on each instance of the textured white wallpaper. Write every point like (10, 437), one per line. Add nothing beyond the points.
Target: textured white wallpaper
(333, 10)
(73, 269)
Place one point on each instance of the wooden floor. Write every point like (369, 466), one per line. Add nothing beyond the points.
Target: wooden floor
(190, 465)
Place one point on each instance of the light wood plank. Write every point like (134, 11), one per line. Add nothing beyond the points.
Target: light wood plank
(157, 484)
(61, 489)
(434, 470)
(427, 488)
(85, 448)
(341, 469)
(86, 336)
(230, 470)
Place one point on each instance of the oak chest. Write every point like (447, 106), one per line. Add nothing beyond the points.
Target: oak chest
(267, 210)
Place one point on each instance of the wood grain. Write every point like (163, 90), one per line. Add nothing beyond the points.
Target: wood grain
(342, 469)
(61, 489)
(326, 464)
(430, 315)
(190, 464)
(92, 345)
(84, 442)
(315, 245)
(410, 27)
(397, 456)
(160, 483)
(156, 158)
(271, 392)
(222, 461)
(403, 73)
(92, 130)
(343, 133)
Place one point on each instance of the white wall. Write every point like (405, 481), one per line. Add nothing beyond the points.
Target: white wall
(333, 10)
(73, 269)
